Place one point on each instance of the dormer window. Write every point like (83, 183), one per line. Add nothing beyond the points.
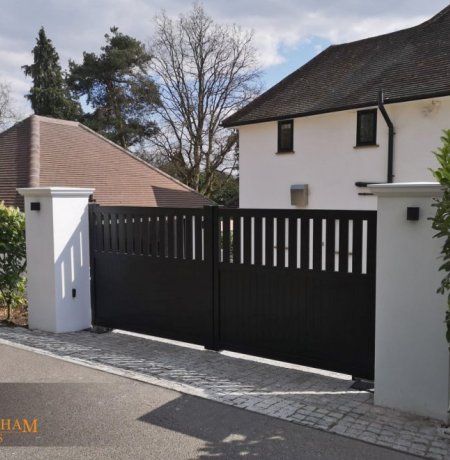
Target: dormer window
(366, 127)
(285, 136)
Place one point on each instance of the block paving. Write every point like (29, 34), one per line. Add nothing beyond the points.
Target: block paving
(324, 401)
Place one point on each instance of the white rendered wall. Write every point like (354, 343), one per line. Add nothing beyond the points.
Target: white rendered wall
(57, 238)
(326, 160)
(412, 366)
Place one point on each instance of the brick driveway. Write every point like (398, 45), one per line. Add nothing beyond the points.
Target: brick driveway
(324, 401)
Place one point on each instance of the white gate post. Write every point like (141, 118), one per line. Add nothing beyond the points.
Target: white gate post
(57, 234)
(412, 365)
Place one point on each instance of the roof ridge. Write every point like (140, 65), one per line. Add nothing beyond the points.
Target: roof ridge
(57, 121)
(437, 16)
(425, 23)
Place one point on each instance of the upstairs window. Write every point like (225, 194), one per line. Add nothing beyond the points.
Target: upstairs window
(366, 129)
(285, 136)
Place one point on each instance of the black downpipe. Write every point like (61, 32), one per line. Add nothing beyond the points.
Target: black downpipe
(390, 166)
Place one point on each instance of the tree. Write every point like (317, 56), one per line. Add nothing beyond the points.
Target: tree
(12, 257)
(49, 95)
(206, 71)
(441, 221)
(118, 88)
(7, 113)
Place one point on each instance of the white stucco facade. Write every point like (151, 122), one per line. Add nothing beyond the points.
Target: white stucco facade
(326, 159)
(58, 269)
(412, 361)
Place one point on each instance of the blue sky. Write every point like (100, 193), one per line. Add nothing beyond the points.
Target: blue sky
(286, 33)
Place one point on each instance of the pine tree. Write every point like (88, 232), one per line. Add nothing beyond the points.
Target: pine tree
(49, 95)
(117, 86)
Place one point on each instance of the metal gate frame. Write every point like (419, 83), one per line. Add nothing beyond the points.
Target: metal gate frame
(139, 254)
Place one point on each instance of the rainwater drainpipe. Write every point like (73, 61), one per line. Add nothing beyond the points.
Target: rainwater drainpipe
(390, 166)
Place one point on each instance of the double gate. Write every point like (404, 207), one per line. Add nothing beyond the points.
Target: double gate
(294, 285)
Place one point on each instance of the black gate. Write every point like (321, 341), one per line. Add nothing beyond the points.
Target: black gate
(292, 285)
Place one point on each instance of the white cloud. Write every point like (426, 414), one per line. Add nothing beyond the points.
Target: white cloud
(78, 26)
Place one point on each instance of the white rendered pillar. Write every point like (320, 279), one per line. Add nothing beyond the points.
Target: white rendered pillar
(57, 237)
(412, 366)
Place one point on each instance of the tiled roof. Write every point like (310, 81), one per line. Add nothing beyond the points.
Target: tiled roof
(71, 154)
(408, 64)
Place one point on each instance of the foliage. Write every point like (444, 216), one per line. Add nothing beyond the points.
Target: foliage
(206, 71)
(224, 190)
(49, 95)
(118, 88)
(441, 221)
(7, 113)
(12, 257)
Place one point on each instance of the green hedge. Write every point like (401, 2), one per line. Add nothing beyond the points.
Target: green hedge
(441, 221)
(12, 257)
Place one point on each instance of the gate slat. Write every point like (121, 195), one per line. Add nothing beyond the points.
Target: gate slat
(237, 239)
(156, 237)
(226, 239)
(304, 247)
(179, 236)
(258, 241)
(198, 237)
(371, 244)
(188, 242)
(129, 234)
(317, 244)
(343, 245)
(113, 232)
(247, 240)
(281, 242)
(269, 241)
(357, 246)
(163, 236)
(170, 236)
(107, 232)
(151, 231)
(292, 238)
(330, 244)
(99, 231)
(146, 236)
(137, 235)
(121, 233)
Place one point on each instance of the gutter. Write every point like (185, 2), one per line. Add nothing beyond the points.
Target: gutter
(390, 125)
(392, 100)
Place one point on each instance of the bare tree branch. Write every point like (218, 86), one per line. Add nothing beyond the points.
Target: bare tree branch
(206, 71)
(8, 115)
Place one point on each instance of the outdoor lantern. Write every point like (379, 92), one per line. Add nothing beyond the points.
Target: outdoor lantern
(299, 195)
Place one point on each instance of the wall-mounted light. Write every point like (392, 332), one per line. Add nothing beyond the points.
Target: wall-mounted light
(412, 213)
(299, 195)
(35, 206)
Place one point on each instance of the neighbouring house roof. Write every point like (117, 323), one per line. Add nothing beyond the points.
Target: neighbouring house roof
(408, 64)
(41, 151)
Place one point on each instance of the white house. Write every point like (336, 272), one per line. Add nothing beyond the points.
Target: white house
(321, 134)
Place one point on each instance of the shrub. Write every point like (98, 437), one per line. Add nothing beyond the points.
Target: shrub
(12, 257)
(441, 221)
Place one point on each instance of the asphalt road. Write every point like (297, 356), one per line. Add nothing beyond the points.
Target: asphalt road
(85, 413)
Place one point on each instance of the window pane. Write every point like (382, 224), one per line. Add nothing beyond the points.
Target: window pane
(285, 136)
(366, 128)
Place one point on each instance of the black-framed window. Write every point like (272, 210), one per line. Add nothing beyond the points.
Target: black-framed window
(286, 136)
(366, 127)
